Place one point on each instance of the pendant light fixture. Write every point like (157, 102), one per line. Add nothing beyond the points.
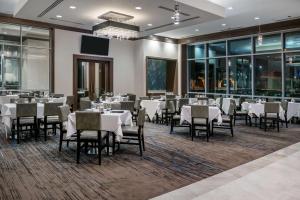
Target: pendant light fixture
(176, 14)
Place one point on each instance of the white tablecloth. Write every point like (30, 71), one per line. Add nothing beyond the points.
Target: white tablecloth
(214, 113)
(152, 107)
(8, 112)
(111, 122)
(6, 99)
(293, 110)
(226, 104)
(259, 108)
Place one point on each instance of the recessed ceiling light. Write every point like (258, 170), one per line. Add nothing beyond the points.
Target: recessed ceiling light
(197, 30)
(176, 23)
(224, 24)
(58, 16)
(257, 18)
(230, 8)
(138, 8)
(150, 24)
(73, 7)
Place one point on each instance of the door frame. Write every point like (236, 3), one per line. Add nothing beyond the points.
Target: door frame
(87, 58)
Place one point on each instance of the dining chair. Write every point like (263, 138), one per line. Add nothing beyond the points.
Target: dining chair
(239, 114)
(26, 116)
(88, 126)
(85, 104)
(200, 120)
(227, 120)
(175, 121)
(135, 133)
(271, 113)
(127, 105)
(169, 111)
(63, 123)
(51, 118)
(131, 97)
(137, 107)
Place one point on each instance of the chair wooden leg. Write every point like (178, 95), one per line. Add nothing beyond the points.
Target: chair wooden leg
(231, 128)
(207, 132)
(140, 144)
(212, 127)
(99, 146)
(143, 140)
(193, 131)
(107, 144)
(18, 131)
(265, 124)
(78, 149)
(277, 124)
(60, 137)
(113, 144)
(45, 129)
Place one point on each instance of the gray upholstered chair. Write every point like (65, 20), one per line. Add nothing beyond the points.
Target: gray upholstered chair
(115, 106)
(271, 113)
(144, 98)
(175, 121)
(127, 105)
(63, 119)
(131, 97)
(85, 104)
(169, 111)
(26, 116)
(239, 114)
(137, 107)
(200, 120)
(135, 133)
(51, 117)
(88, 126)
(227, 120)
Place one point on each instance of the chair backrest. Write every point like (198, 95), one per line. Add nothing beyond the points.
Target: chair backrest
(171, 105)
(232, 108)
(284, 105)
(64, 113)
(115, 106)
(26, 110)
(70, 100)
(141, 117)
(170, 96)
(182, 102)
(131, 97)
(137, 104)
(199, 111)
(90, 121)
(203, 100)
(52, 109)
(127, 105)
(85, 104)
(144, 98)
(271, 107)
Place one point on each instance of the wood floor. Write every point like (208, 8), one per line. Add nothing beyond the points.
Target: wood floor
(36, 170)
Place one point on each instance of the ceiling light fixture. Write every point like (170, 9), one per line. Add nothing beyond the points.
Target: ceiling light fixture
(260, 36)
(138, 8)
(176, 14)
(197, 30)
(58, 16)
(73, 7)
(257, 18)
(230, 8)
(223, 24)
(150, 24)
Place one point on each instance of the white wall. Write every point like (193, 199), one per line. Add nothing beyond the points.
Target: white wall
(129, 61)
(67, 43)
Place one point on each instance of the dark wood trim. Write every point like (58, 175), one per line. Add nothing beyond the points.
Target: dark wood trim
(184, 69)
(52, 61)
(176, 73)
(265, 28)
(158, 38)
(13, 20)
(76, 58)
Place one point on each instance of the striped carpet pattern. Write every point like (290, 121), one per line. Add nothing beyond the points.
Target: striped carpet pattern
(36, 170)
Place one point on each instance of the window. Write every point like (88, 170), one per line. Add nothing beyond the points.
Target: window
(197, 75)
(196, 51)
(271, 43)
(35, 37)
(10, 34)
(217, 75)
(240, 75)
(267, 75)
(240, 46)
(292, 75)
(217, 49)
(292, 41)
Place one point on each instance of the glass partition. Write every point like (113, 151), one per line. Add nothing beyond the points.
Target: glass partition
(267, 75)
(197, 75)
(292, 75)
(217, 49)
(292, 41)
(240, 47)
(270, 43)
(196, 51)
(240, 75)
(217, 75)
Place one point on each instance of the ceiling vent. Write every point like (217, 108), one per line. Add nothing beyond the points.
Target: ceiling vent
(53, 5)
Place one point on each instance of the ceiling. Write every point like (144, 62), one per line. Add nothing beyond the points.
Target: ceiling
(87, 11)
(242, 15)
(212, 13)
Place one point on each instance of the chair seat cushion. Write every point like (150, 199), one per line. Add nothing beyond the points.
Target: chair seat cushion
(225, 118)
(51, 119)
(241, 112)
(28, 120)
(130, 130)
(199, 121)
(91, 135)
(176, 117)
(270, 115)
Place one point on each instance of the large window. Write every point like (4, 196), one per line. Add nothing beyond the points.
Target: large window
(270, 43)
(25, 58)
(240, 75)
(267, 75)
(196, 52)
(292, 41)
(217, 75)
(197, 75)
(240, 47)
(217, 49)
(292, 75)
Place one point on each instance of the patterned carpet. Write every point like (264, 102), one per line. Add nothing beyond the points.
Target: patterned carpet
(36, 170)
